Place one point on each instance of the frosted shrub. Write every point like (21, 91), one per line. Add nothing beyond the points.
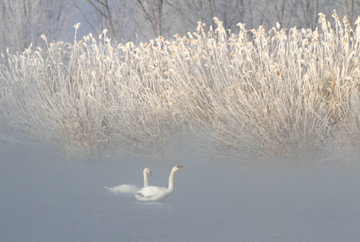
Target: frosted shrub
(282, 92)
(85, 95)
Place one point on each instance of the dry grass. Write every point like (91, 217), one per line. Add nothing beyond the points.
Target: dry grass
(280, 93)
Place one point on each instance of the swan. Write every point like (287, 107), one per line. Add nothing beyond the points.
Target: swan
(129, 188)
(154, 193)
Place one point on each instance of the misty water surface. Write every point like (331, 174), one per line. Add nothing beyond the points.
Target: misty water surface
(46, 198)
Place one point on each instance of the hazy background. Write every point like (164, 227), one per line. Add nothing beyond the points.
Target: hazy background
(221, 194)
(140, 20)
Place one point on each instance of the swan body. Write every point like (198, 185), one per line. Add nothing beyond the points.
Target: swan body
(124, 188)
(129, 188)
(154, 193)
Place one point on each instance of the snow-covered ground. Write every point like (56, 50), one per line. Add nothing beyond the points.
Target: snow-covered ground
(43, 197)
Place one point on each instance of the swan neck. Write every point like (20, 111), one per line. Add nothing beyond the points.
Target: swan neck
(146, 182)
(171, 180)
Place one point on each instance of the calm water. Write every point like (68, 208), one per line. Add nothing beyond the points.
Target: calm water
(46, 198)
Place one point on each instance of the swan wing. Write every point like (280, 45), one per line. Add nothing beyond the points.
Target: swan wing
(150, 192)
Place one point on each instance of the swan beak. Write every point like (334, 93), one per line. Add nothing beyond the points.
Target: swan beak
(181, 167)
(150, 173)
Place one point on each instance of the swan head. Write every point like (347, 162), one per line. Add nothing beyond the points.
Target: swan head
(175, 168)
(147, 171)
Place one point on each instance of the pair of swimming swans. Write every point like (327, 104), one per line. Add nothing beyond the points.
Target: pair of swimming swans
(148, 193)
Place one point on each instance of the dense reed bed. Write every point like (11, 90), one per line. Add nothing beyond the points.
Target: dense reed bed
(280, 93)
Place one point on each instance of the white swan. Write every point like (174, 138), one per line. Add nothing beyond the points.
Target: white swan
(153, 193)
(129, 188)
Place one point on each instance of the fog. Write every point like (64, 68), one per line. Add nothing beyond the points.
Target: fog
(45, 197)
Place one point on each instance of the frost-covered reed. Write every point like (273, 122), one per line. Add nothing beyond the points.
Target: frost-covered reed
(281, 92)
